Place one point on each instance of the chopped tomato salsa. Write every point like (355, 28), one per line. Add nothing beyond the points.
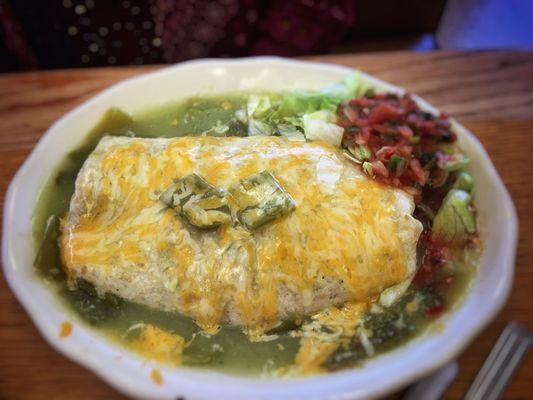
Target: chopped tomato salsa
(398, 143)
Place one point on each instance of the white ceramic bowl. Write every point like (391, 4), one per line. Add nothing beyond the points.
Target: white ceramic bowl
(131, 374)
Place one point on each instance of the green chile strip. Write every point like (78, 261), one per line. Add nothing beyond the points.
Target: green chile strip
(260, 198)
(200, 203)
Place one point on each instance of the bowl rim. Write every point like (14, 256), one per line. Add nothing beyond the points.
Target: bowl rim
(124, 383)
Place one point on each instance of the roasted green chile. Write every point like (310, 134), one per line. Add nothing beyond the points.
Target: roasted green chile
(200, 203)
(260, 199)
(257, 200)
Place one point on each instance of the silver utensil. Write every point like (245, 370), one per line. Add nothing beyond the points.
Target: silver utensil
(505, 357)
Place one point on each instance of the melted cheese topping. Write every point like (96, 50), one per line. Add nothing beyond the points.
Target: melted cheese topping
(325, 333)
(349, 237)
(158, 345)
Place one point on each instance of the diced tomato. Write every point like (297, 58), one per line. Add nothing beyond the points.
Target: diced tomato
(405, 131)
(383, 129)
(388, 125)
(426, 126)
(412, 190)
(385, 152)
(384, 112)
(350, 114)
(362, 102)
(434, 312)
(364, 135)
(420, 174)
(405, 150)
(380, 169)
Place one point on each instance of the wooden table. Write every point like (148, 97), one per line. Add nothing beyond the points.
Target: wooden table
(490, 92)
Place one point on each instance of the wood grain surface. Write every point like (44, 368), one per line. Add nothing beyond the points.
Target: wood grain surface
(489, 92)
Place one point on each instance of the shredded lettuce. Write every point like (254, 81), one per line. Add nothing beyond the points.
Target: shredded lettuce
(357, 153)
(322, 115)
(453, 162)
(390, 295)
(296, 122)
(350, 87)
(368, 168)
(301, 115)
(219, 129)
(300, 102)
(455, 220)
(320, 125)
(241, 116)
(259, 128)
(464, 182)
(258, 106)
(291, 132)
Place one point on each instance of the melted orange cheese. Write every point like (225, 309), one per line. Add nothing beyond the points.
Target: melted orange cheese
(323, 334)
(345, 228)
(158, 345)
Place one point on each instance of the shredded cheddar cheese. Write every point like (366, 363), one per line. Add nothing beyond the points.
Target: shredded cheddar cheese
(158, 345)
(156, 377)
(65, 329)
(328, 329)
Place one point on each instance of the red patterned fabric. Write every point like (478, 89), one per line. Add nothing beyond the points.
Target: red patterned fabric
(304, 27)
(75, 33)
(192, 29)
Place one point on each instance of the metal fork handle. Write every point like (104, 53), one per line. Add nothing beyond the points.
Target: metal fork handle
(505, 357)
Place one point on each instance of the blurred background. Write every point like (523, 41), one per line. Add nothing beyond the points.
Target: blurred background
(45, 34)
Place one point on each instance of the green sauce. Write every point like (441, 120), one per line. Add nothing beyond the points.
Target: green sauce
(229, 350)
